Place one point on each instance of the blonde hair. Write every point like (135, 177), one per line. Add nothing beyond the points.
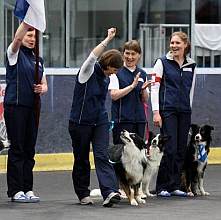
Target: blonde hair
(183, 36)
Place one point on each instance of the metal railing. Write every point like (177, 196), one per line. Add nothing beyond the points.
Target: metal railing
(154, 40)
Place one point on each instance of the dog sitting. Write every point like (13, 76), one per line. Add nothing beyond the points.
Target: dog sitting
(154, 156)
(135, 161)
(196, 159)
(129, 161)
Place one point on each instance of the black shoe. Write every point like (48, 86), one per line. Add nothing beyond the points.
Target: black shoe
(112, 198)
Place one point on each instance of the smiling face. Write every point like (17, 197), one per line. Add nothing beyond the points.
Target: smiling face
(29, 39)
(177, 46)
(131, 58)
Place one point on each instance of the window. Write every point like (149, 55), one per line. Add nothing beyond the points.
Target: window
(89, 21)
(208, 11)
(153, 23)
(54, 36)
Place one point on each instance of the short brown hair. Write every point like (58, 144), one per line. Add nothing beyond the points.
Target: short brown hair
(132, 45)
(183, 36)
(111, 58)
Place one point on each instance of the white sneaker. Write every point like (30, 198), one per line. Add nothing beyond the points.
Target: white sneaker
(20, 197)
(178, 193)
(112, 198)
(32, 197)
(86, 201)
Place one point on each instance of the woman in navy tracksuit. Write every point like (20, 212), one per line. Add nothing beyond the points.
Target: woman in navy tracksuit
(171, 97)
(89, 123)
(129, 92)
(19, 113)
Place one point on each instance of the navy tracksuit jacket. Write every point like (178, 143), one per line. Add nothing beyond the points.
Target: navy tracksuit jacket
(89, 124)
(175, 110)
(19, 114)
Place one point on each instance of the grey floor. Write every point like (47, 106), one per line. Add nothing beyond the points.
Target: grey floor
(58, 202)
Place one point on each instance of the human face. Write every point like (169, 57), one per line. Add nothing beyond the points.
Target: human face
(177, 46)
(110, 70)
(29, 39)
(131, 58)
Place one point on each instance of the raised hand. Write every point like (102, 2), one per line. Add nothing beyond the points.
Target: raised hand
(135, 82)
(111, 33)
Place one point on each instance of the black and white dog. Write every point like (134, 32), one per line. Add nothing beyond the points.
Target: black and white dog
(154, 156)
(196, 159)
(129, 161)
(134, 162)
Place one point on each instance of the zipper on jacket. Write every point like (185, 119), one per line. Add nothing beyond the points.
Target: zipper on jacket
(17, 89)
(85, 90)
(119, 114)
(165, 90)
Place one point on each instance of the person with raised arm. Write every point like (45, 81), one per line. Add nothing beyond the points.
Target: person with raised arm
(89, 123)
(20, 114)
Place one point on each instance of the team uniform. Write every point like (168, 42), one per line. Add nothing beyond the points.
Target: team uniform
(172, 94)
(20, 118)
(89, 123)
(128, 112)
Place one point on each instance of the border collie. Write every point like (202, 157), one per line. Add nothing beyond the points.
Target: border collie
(196, 159)
(129, 161)
(155, 154)
(134, 162)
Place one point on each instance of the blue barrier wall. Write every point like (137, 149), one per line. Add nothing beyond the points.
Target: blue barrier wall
(56, 104)
(53, 131)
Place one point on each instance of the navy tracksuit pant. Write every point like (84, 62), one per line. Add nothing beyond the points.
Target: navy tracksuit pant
(98, 136)
(22, 132)
(176, 125)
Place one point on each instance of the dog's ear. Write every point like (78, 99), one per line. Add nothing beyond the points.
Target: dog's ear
(210, 127)
(162, 140)
(193, 129)
(138, 141)
(151, 137)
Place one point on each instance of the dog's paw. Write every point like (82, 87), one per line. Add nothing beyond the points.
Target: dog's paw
(190, 194)
(140, 200)
(134, 202)
(151, 195)
(205, 193)
(143, 196)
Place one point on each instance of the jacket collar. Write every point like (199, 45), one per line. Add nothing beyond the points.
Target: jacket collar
(188, 60)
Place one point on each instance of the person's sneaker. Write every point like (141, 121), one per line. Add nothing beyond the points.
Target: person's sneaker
(32, 197)
(112, 198)
(20, 197)
(164, 193)
(178, 193)
(86, 201)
